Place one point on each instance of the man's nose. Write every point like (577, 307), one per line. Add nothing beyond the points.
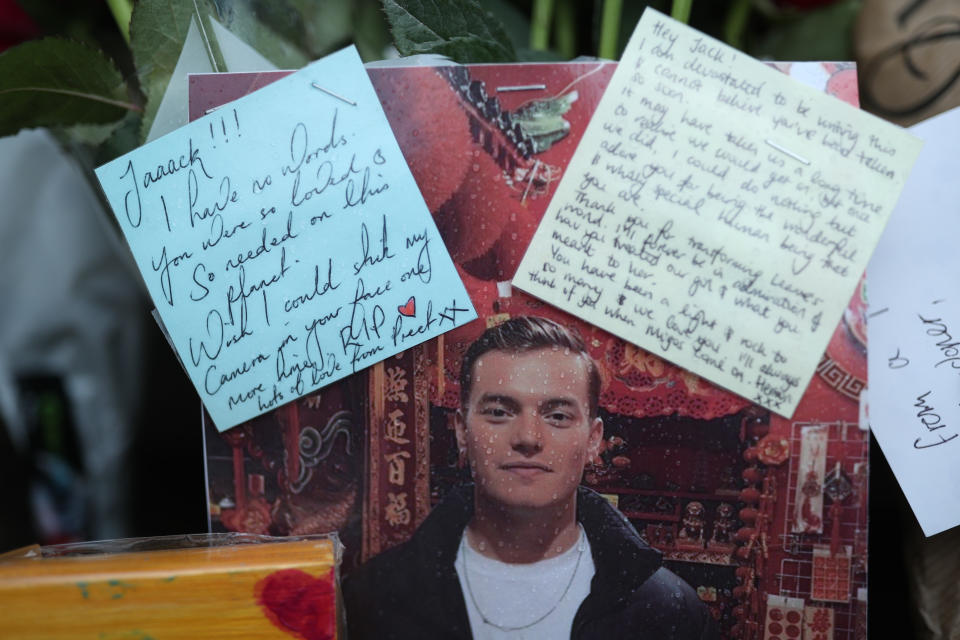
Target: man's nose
(527, 436)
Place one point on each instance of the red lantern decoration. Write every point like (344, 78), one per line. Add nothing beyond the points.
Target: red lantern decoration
(744, 534)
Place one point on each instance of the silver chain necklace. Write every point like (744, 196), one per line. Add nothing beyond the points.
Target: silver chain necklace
(486, 620)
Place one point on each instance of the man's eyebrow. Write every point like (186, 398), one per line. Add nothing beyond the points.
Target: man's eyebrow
(498, 398)
(556, 403)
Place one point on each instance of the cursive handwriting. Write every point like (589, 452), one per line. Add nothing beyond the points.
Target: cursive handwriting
(949, 348)
(932, 421)
(729, 218)
(270, 252)
(382, 253)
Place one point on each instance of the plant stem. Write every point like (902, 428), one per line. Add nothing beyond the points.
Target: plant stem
(736, 23)
(540, 24)
(122, 10)
(681, 10)
(610, 29)
(565, 30)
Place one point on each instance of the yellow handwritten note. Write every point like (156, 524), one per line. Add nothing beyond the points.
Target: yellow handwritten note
(718, 213)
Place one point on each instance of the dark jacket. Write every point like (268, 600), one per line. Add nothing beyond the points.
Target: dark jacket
(412, 590)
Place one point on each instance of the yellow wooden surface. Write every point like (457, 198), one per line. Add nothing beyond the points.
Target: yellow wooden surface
(157, 595)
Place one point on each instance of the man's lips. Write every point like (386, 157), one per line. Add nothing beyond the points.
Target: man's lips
(526, 468)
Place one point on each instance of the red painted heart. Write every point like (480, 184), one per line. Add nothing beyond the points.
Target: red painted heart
(299, 603)
(410, 309)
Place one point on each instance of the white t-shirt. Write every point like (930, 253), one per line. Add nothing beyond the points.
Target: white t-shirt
(515, 595)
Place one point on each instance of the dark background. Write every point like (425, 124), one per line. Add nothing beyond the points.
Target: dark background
(167, 480)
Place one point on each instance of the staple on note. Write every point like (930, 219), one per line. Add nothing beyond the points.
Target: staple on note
(212, 109)
(786, 151)
(335, 95)
(523, 87)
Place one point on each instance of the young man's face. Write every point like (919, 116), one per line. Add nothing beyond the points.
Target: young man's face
(526, 428)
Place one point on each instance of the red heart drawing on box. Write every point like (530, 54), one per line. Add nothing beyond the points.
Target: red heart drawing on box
(299, 603)
(409, 309)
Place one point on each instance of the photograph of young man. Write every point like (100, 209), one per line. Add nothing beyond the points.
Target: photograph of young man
(525, 552)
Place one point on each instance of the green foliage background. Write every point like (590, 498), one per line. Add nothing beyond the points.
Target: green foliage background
(99, 80)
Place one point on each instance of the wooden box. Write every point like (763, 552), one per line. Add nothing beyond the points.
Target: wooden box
(269, 589)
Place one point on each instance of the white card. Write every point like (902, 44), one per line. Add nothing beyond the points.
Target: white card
(914, 331)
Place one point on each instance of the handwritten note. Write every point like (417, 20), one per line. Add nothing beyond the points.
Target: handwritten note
(914, 331)
(717, 213)
(284, 241)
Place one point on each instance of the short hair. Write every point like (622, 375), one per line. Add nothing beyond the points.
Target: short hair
(528, 333)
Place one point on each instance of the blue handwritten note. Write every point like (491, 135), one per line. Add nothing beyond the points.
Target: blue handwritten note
(284, 240)
(914, 331)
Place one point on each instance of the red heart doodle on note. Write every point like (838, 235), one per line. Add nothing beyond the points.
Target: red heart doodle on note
(409, 309)
(299, 603)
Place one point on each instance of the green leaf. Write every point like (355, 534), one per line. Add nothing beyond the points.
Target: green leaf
(318, 28)
(283, 18)
(458, 29)
(53, 82)
(327, 24)
(515, 22)
(91, 134)
(240, 17)
(124, 138)
(158, 29)
(371, 33)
